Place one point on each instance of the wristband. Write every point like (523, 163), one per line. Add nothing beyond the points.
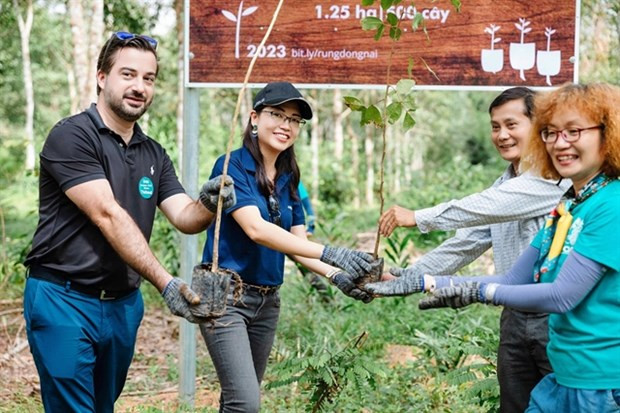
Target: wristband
(489, 292)
(330, 274)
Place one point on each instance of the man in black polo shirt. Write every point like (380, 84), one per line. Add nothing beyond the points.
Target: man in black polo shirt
(101, 181)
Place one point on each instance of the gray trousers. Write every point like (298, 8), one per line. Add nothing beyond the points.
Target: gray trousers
(522, 357)
(239, 345)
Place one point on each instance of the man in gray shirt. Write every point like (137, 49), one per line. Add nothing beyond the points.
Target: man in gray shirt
(506, 217)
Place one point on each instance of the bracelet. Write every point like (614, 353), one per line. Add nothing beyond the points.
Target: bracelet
(330, 274)
(429, 283)
(489, 292)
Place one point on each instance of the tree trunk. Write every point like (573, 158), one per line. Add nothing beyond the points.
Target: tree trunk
(315, 135)
(25, 26)
(86, 34)
(369, 148)
(338, 129)
(355, 164)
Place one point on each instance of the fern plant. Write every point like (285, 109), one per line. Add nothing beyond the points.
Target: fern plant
(325, 375)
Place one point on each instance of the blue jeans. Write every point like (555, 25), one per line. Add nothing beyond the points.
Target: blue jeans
(82, 346)
(551, 397)
(521, 358)
(239, 344)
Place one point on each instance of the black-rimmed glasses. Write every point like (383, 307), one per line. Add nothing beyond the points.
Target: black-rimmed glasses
(127, 35)
(280, 118)
(274, 210)
(569, 134)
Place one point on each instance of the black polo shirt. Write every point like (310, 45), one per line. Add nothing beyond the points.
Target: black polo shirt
(79, 149)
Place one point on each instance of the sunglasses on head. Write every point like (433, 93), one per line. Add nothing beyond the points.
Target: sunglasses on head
(127, 36)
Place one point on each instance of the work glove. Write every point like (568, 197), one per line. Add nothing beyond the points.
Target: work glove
(179, 298)
(345, 283)
(210, 190)
(356, 263)
(455, 296)
(409, 281)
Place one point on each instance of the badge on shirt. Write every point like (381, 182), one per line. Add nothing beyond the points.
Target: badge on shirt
(146, 187)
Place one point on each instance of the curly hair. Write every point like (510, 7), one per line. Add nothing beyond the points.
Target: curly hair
(598, 101)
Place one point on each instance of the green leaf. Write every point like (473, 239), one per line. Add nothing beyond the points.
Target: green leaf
(457, 5)
(367, 2)
(394, 110)
(379, 32)
(408, 122)
(371, 114)
(404, 86)
(371, 23)
(395, 33)
(386, 4)
(392, 19)
(418, 19)
(353, 103)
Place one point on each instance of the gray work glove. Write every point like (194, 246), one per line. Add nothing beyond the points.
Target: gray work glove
(345, 283)
(456, 296)
(210, 191)
(180, 297)
(356, 263)
(409, 281)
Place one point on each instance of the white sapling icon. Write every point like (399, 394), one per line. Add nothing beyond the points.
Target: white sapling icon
(522, 55)
(237, 19)
(548, 61)
(492, 59)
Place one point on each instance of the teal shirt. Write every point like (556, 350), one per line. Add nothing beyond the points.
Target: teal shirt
(584, 343)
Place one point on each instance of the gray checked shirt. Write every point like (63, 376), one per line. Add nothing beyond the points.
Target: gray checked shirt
(505, 216)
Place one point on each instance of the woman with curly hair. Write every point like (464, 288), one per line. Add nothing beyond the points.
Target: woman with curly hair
(572, 267)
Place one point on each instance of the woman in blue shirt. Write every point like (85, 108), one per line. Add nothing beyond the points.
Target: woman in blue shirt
(572, 267)
(266, 223)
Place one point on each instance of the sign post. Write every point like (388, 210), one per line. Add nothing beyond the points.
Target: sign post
(320, 43)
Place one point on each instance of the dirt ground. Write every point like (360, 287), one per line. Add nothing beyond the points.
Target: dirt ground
(147, 384)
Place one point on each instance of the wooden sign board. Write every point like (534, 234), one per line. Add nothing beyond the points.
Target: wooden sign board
(489, 44)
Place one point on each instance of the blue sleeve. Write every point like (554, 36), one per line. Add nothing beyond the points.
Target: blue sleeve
(520, 273)
(576, 278)
(243, 187)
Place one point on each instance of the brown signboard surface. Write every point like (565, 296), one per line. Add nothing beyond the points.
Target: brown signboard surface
(489, 43)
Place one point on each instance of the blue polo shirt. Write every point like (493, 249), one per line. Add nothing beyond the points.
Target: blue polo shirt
(255, 263)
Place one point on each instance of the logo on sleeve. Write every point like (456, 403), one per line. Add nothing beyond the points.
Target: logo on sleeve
(146, 187)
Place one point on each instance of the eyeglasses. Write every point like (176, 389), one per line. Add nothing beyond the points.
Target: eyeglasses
(127, 36)
(274, 210)
(280, 118)
(569, 134)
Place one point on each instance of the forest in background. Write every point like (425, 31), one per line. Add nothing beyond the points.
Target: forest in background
(45, 49)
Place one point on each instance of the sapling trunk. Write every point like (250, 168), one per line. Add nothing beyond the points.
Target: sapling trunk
(218, 214)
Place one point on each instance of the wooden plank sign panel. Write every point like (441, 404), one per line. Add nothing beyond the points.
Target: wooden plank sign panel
(488, 44)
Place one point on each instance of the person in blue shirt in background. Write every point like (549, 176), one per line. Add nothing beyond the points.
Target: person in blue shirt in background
(265, 224)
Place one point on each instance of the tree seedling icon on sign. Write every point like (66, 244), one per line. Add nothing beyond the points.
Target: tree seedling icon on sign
(522, 55)
(492, 59)
(548, 61)
(237, 19)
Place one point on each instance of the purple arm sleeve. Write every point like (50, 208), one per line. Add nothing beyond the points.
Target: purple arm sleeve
(520, 273)
(576, 278)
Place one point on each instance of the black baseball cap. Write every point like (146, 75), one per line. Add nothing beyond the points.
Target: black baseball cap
(277, 93)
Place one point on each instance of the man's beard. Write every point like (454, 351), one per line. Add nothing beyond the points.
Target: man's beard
(124, 111)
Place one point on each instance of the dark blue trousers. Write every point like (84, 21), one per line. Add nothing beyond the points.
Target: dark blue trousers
(82, 346)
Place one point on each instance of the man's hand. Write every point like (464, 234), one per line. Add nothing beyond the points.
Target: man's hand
(210, 191)
(409, 281)
(394, 217)
(456, 296)
(180, 297)
(356, 263)
(345, 283)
